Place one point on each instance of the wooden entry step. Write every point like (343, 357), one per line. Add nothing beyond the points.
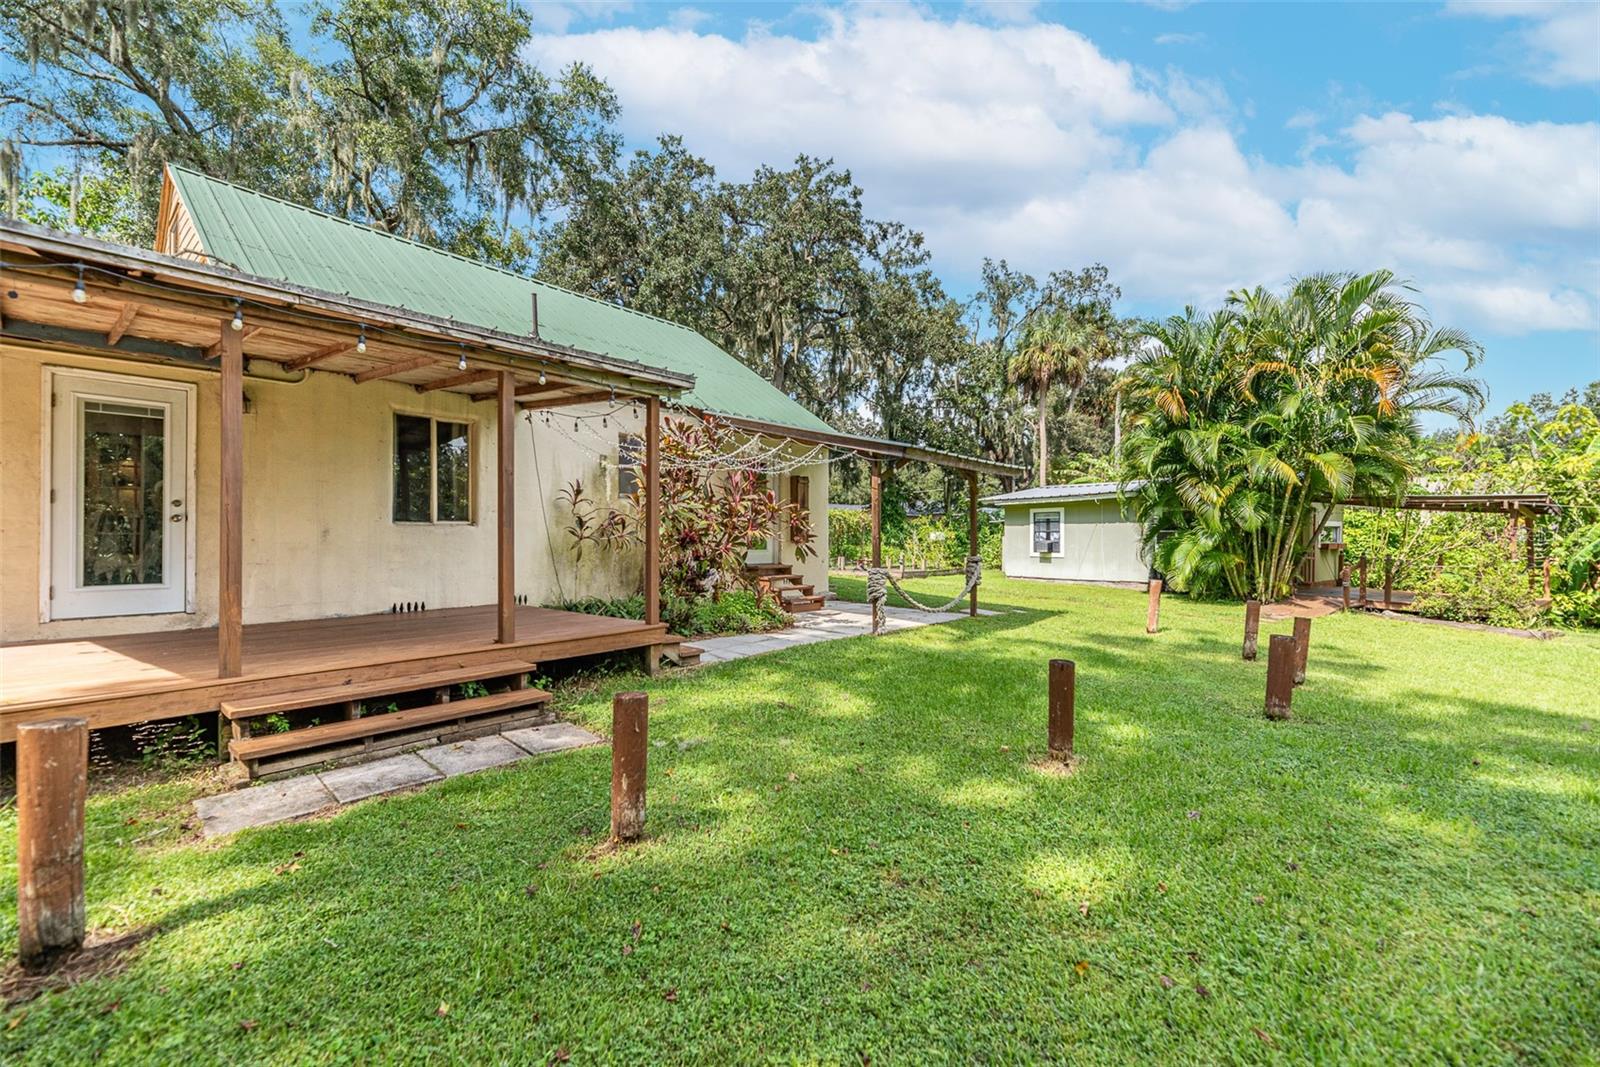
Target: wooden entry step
(235, 710)
(251, 749)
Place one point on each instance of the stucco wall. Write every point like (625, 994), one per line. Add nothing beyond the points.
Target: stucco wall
(318, 535)
(1097, 544)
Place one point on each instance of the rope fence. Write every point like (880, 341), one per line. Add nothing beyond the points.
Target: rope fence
(879, 579)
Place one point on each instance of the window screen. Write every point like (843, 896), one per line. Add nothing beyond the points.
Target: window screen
(413, 468)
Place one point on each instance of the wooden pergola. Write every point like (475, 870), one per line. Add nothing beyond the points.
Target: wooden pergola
(883, 456)
(148, 307)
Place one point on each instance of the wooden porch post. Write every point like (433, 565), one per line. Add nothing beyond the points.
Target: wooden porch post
(507, 504)
(230, 554)
(876, 469)
(972, 530)
(652, 511)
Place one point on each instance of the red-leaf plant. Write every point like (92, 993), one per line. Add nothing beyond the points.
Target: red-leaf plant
(710, 515)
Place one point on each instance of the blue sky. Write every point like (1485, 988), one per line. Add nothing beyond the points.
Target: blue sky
(1190, 147)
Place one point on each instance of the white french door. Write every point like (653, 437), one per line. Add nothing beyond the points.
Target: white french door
(120, 477)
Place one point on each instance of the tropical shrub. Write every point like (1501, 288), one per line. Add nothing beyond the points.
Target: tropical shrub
(735, 612)
(1242, 423)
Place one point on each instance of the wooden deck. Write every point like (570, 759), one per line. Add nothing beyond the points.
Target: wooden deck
(131, 678)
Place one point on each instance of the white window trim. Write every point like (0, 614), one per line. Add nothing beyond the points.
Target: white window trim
(474, 441)
(1061, 522)
(46, 425)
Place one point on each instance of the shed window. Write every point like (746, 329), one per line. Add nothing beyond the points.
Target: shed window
(432, 470)
(1046, 532)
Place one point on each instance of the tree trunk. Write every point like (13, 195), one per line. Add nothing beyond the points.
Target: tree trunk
(1044, 448)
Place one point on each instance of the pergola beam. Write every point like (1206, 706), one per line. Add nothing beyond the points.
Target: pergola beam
(389, 370)
(470, 377)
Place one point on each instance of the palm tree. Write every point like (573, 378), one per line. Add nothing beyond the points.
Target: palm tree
(1057, 347)
(1250, 423)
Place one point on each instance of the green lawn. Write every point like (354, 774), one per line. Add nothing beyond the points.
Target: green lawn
(852, 856)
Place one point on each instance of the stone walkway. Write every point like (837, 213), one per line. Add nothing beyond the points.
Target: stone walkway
(293, 798)
(838, 619)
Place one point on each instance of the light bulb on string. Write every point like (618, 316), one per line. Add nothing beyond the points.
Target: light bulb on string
(541, 374)
(461, 364)
(361, 342)
(238, 316)
(79, 293)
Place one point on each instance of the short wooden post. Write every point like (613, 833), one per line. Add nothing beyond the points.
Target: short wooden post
(630, 744)
(1063, 695)
(1252, 627)
(1344, 585)
(972, 538)
(1363, 600)
(1280, 676)
(52, 781)
(875, 488)
(1152, 618)
(1302, 647)
(1388, 584)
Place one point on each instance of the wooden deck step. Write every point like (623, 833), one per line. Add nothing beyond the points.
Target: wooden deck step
(688, 655)
(234, 710)
(794, 604)
(333, 733)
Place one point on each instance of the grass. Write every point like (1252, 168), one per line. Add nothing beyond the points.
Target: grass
(852, 856)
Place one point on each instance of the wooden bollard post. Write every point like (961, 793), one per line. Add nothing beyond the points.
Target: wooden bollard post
(52, 781)
(1280, 676)
(630, 745)
(1063, 694)
(1252, 627)
(1388, 585)
(1363, 600)
(1344, 584)
(1152, 618)
(1302, 647)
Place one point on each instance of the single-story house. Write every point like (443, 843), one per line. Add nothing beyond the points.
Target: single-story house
(1088, 533)
(283, 455)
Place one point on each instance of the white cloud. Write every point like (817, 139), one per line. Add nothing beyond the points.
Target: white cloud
(1029, 143)
(1558, 42)
(557, 16)
(1179, 38)
(687, 18)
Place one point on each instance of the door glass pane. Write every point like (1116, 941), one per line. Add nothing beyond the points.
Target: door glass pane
(411, 468)
(455, 472)
(124, 471)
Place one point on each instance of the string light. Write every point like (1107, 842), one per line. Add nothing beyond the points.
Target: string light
(541, 374)
(361, 342)
(238, 316)
(461, 364)
(79, 293)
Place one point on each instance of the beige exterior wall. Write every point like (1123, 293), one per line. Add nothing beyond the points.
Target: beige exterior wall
(1097, 544)
(318, 534)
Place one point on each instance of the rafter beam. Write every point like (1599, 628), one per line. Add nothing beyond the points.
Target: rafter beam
(215, 350)
(389, 370)
(320, 355)
(124, 320)
(534, 390)
(464, 378)
(563, 401)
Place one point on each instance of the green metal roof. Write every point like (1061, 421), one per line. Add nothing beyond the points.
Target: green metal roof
(272, 238)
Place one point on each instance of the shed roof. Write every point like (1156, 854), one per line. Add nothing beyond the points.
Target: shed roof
(1054, 494)
(272, 238)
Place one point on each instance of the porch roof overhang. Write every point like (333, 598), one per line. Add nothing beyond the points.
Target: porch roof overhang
(148, 305)
(1494, 503)
(875, 447)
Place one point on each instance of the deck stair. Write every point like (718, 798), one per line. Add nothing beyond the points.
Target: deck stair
(790, 589)
(357, 732)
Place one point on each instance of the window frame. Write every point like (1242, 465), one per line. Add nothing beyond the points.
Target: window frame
(433, 421)
(1061, 522)
(627, 469)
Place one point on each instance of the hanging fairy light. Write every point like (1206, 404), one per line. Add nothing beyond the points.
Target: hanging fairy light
(238, 316)
(541, 374)
(79, 293)
(361, 342)
(461, 364)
